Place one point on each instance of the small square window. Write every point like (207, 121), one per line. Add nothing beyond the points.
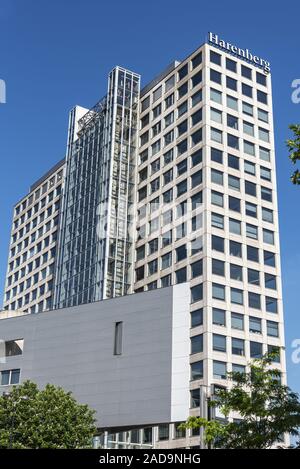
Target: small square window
(247, 90)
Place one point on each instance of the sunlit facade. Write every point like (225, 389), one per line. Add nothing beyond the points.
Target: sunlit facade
(176, 184)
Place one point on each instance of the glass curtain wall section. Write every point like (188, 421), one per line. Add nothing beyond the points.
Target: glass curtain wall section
(95, 247)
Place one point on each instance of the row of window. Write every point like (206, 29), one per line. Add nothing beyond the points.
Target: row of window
(231, 65)
(216, 156)
(232, 84)
(217, 244)
(38, 276)
(133, 439)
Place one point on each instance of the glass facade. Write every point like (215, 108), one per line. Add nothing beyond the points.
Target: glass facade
(95, 246)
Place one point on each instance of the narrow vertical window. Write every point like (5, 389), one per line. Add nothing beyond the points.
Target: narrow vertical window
(118, 338)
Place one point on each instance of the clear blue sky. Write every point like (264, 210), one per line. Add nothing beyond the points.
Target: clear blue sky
(54, 54)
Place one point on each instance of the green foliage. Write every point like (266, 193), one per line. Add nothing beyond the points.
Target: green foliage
(50, 418)
(294, 150)
(268, 409)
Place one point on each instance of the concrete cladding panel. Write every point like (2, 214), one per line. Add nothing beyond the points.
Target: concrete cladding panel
(74, 348)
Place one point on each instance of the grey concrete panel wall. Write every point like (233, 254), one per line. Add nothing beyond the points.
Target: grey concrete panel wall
(73, 348)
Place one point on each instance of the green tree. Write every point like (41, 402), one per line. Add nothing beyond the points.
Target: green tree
(267, 408)
(48, 418)
(293, 145)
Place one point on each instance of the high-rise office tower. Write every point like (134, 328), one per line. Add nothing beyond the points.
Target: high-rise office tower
(207, 206)
(95, 247)
(32, 253)
(196, 203)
